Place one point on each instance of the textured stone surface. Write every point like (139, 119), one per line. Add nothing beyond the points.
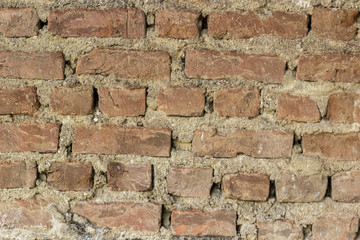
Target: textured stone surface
(335, 227)
(18, 100)
(345, 186)
(246, 186)
(344, 108)
(19, 22)
(17, 174)
(280, 230)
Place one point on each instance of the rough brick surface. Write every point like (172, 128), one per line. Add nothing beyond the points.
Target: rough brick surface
(129, 177)
(301, 188)
(144, 217)
(190, 182)
(345, 186)
(70, 176)
(206, 64)
(17, 174)
(173, 23)
(18, 100)
(297, 108)
(133, 64)
(19, 22)
(261, 143)
(334, 67)
(111, 139)
(122, 101)
(246, 186)
(322, 145)
(181, 101)
(334, 23)
(32, 65)
(201, 223)
(117, 22)
(32, 137)
(232, 24)
(72, 100)
(237, 102)
(280, 230)
(25, 213)
(344, 107)
(335, 227)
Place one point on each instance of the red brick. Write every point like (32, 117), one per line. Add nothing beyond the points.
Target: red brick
(203, 223)
(335, 227)
(190, 182)
(297, 108)
(17, 174)
(175, 23)
(345, 186)
(112, 139)
(18, 100)
(206, 64)
(70, 176)
(129, 177)
(133, 64)
(262, 143)
(72, 100)
(237, 102)
(19, 22)
(280, 230)
(334, 23)
(181, 101)
(322, 145)
(344, 107)
(246, 186)
(31, 137)
(117, 22)
(236, 24)
(122, 101)
(32, 65)
(334, 67)
(144, 217)
(25, 213)
(301, 188)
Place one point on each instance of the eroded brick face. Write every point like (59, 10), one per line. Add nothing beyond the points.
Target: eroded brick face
(17, 174)
(18, 100)
(282, 230)
(343, 108)
(335, 227)
(344, 186)
(22, 22)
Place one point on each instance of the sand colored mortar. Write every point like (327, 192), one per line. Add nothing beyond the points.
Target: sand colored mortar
(69, 226)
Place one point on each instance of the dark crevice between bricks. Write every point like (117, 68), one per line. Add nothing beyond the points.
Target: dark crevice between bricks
(42, 24)
(68, 149)
(68, 65)
(272, 192)
(95, 99)
(215, 191)
(209, 103)
(307, 230)
(204, 22)
(59, 137)
(328, 189)
(166, 218)
(309, 24)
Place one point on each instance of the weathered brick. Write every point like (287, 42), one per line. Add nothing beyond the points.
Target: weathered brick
(129, 177)
(116, 22)
(204, 223)
(175, 23)
(122, 101)
(237, 102)
(334, 67)
(33, 65)
(297, 108)
(235, 24)
(344, 107)
(322, 145)
(190, 182)
(344, 186)
(112, 139)
(25, 213)
(246, 186)
(300, 188)
(334, 23)
(72, 100)
(19, 22)
(18, 100)
(31, 137)
(133, 64)
(70, 176)
(144, 217)
(181, 101)
(335, 227)
(17, 174)
(262, 143)
(206, 64)
(279, 230)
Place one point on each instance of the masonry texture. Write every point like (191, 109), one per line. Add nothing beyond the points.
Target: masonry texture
(180, 119)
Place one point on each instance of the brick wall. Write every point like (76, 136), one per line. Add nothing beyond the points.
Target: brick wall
(179, 119)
